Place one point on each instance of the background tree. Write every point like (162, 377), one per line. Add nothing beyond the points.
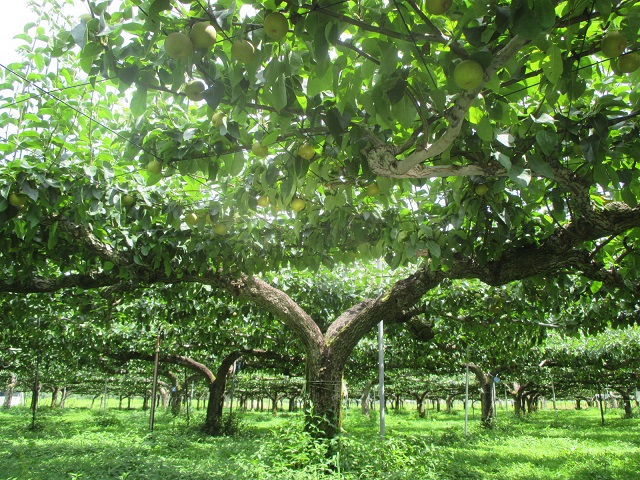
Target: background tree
(521, 165)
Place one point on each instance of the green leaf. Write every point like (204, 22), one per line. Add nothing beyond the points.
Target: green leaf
(279, 91)
(234, 164)
(545, 13)
(540, 166)
(503, 160)
(523, 19)
(32, 193)
(79, 34)
(214, 94)
(552, 67)
(128, 75)
(434, 248)
(52, 240)
(139, 102)
(519, 175)
(158, 6)
(547, 140)
(485, 129)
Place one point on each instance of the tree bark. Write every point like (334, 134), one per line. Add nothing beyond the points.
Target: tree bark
(364, 398)
(9, 390)
(55, 391)
(214, 423)
(486, 394)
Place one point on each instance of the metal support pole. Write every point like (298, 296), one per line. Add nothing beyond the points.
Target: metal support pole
(36, 393)
(381, 376)
(506, 401)
(493, 395)
(601, 408)
(553, 391)
(466, 398)
(233, 385)
(186, 394)
(154, 385)
(493, 398)
(104, 395)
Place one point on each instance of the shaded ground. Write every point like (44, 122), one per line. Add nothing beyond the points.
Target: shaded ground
(80, 443)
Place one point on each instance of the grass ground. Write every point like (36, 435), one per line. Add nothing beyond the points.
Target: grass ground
(80, 443)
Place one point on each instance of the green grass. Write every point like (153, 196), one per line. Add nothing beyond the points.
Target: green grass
(82, 443)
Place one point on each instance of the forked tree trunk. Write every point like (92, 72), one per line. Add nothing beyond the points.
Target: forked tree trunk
(66, 393)
(486, 394)
(213, 424)
(420, 398)
(327, 353)
(325, 392)
(364, 398)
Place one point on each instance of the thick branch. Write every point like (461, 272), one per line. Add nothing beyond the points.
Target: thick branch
(279, 304)
(385, 163)
(345, 332)
(191, 364)
(85, 237)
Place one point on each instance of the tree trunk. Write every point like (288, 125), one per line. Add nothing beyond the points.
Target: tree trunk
(55, 391)
(213, 423)
(9, 390)
(63, 396)
(517, 404)
(176, 400)
(450, 400)
(325, 393)
(486, 400)
(626, 403)
(145, 401)
(578, 403)
(364, 398)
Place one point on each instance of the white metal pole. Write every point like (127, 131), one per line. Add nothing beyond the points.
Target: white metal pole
(466, 398)
(104, 409)
(493, 394)
(381, 376)
(553, 391)
(154, 385)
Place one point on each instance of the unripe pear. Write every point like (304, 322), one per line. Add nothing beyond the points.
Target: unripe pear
(154, 166)
(306, 151)
(194, 90)
(191, 219)
(128, 200)
(220, 229)
(468, 74)
(298, 204)
(243, 51)
(276, 25)
(178, 46)
(259, 150)
(613, 44)
(629, 62)
(437, 7)
(203, 35)
(217, 119)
